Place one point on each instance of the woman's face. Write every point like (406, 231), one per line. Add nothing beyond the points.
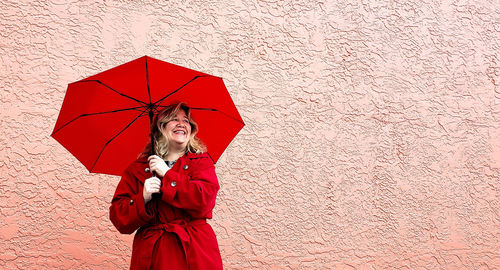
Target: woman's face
(178, 130)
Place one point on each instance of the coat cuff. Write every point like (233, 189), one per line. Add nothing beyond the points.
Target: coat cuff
(171, 183)
(143, 215)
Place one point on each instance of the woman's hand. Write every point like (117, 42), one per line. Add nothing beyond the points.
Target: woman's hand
(158, 165)
(151, 185)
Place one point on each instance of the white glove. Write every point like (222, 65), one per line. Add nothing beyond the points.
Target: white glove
(151, 185)
(158, 165)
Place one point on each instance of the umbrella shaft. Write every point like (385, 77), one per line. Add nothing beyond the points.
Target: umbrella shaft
(151, 114)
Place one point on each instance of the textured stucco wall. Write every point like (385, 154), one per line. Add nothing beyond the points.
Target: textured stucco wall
(372, 137)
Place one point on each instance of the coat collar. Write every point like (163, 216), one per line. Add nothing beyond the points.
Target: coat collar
(185, 156)
(139, 166)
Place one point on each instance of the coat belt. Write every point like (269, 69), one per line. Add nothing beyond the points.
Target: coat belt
(178, 227)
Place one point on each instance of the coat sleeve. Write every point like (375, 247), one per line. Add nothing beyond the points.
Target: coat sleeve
(196, 191)
(127, 211)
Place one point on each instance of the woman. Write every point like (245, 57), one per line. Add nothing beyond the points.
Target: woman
(168, 197)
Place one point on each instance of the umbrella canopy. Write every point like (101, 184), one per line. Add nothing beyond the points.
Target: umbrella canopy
(105, 119)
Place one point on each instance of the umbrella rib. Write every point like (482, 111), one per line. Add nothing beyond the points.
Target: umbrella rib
(98, 113)
(108, 142)
(171, 93)
(213, 110)
(110, 88)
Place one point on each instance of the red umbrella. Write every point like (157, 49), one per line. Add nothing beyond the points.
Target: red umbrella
(105, 119)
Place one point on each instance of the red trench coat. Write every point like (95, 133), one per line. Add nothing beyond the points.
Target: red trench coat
(172, 232)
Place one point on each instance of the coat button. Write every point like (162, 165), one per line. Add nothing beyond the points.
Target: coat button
(173, 184)
(147, 170)
(185, 167)
(131, 202)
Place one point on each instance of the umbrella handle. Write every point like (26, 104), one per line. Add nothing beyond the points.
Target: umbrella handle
(156, 195)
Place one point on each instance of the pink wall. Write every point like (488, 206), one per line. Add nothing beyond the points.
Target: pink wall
(372, 137)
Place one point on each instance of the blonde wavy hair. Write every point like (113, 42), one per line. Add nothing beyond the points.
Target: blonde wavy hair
(161, 143)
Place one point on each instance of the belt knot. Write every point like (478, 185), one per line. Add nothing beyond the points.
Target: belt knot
(176, 226)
